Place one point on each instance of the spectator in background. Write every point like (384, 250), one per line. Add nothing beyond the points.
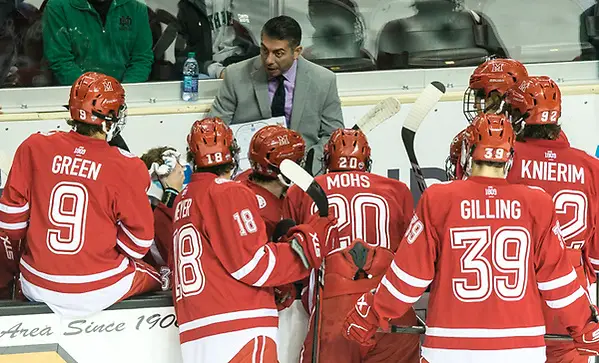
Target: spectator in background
(107, 36)
(281, 83)
(212, 32)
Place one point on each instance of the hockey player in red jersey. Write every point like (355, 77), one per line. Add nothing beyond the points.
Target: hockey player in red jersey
(492, 253)
(370, 208)
(544, 158)
(488, 84)
(224, 266)
(268, 147)
(83, 207)
(455, 164)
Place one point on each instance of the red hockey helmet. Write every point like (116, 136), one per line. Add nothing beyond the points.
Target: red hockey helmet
(272, 144)
(492, 138)
(456, 161)
(347, 149)
(534, 100)
(212, 143)
(488, 84)
(96, 98)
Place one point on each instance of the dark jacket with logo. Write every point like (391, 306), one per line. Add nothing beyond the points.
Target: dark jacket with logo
(76, 41)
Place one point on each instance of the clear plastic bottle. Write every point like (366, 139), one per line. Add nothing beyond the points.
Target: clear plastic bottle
(191, 71)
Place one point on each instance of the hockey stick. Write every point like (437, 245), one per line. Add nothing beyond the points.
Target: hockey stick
(378, 114)
(422, 330)
(420, 109)
(306, 182)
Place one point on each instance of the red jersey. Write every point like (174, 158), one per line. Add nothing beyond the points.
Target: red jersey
(224, 267)
(271, 207)
(571, 177)
(367, 206)
(83, 207)
(163, 237)
(493, 253)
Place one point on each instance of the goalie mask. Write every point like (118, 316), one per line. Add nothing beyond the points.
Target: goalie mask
(492, 140)
(488, 84)
(98, 99)
(270, 146)
(534, 101)
(455, 164)
(212, 143)
(347, 150)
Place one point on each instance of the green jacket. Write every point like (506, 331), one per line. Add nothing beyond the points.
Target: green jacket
(76, 41)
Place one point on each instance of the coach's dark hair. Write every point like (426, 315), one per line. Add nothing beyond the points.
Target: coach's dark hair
(284, 28)
(539, 132)
(85, 129)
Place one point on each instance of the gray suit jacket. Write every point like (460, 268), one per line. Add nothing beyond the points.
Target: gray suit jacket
(316, 112)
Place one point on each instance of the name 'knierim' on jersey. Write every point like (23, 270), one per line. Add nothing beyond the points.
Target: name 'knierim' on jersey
(75, 166)
(551, 171)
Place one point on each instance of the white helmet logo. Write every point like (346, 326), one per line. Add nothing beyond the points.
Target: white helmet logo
(497, 67)
(107, 86)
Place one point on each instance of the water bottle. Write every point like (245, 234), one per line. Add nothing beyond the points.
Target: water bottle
(191, 71)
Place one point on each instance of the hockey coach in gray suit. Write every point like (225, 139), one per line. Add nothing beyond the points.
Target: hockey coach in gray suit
(280, 82)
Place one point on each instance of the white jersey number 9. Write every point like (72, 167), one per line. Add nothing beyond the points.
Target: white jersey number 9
(68, 212)
(507, 272)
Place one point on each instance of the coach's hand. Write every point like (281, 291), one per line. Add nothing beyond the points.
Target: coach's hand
(316, 238)
(362, 322)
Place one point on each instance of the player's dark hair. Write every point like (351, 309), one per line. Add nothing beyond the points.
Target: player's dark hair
(154, 156)
(217, 169)
(284, 28)
(540, 132)
(261, 178)
(493, 164)
(85, 129)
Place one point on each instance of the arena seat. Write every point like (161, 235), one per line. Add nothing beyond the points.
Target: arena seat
(539, 31)
(339, 36)
(436, 36)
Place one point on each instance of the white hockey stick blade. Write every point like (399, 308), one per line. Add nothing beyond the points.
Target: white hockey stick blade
(380, 113)
(423, 105)
(306, 182)
(296, 174)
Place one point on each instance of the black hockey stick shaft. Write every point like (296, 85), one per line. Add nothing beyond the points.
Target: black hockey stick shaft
(395, 329)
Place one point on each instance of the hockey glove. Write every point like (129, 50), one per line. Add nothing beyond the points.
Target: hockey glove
(587, 340)
(315, 238)
(362, 322)
(285, 296)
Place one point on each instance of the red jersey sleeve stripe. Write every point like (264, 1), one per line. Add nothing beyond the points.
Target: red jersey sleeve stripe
(128, 250)
(250, 266)
(143, 243)
(398, 295)
(568, 300)
(9, 209)
(13, 226)
(557, 283)
(595, 263)
(272, 261)
(411, 280)
(485, 333)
